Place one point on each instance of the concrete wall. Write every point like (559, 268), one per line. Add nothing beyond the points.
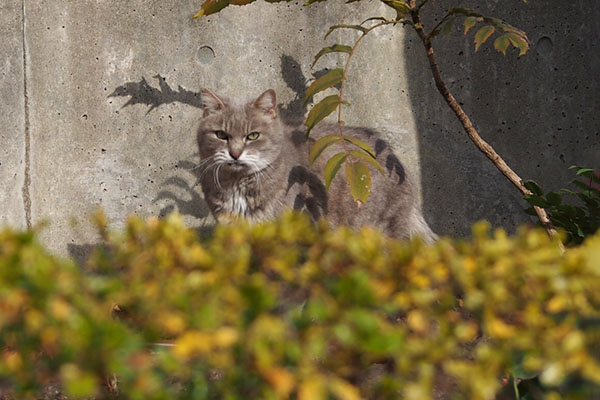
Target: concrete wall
(101, 102)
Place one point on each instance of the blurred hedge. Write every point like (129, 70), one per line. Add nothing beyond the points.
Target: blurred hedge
(289, 310)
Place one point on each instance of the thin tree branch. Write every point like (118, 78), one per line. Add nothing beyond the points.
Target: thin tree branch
(468, 126)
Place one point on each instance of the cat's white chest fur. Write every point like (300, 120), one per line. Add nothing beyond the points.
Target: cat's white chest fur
(236, 202)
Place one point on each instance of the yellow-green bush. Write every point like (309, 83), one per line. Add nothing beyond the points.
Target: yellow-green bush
(289, 310)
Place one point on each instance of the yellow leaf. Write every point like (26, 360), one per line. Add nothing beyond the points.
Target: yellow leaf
(13, 361)
(499, 329)
(173, 324)
(313, 388)
(343, 390)
(34, 320)
(557, 304)
(192, 343)
(282, 381)
(226, 337)
(417, 322)
(60, 309)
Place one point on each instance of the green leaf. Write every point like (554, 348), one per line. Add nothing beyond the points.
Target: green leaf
(518, 371)
(482, 35)
(535, 200)
(358, 177)
(533, 187)
(448, 25)
(320, 145)
(332, 167)
(471, 22)
(328, 80)
(554, 198)
(336, 48)
(211, 7)
(361, 144)
(402, 9)
(519, 42)
(583, 171)
(321, 110)
(340, 26)
(501, 44)
(361, 155)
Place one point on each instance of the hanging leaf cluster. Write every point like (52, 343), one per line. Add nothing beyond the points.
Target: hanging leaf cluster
(506, 34)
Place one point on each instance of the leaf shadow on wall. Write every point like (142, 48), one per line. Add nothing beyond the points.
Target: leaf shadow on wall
(180, 188)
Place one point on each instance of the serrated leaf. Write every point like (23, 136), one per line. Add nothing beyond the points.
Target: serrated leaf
(336, 48)
(358, 177)
(361, 155)
(340, 26)
(482, 35)
(332, 167)
(321, 110)
(471, 22)
(501, 44)
(519, 42)
(320, 146)
(328, 80)
(361, 144)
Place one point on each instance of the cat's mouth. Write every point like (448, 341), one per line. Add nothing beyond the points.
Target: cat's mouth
(236, 165)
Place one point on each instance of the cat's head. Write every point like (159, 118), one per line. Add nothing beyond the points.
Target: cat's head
(240, 136)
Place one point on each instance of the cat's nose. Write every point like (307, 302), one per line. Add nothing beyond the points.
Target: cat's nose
(235, 154)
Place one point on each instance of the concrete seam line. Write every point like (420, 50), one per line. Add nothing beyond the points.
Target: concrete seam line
(27, 173)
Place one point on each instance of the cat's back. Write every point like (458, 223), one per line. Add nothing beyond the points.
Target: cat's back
(392, 207)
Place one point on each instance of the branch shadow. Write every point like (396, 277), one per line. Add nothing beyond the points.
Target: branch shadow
(143, 93)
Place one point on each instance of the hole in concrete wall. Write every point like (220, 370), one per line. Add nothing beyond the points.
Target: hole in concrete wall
(205, 55)
(544, 45)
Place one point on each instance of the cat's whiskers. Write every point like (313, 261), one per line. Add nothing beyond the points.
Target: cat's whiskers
(202, 163)
(216, 175)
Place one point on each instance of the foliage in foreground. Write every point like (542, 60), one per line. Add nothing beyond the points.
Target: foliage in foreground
(289, 310)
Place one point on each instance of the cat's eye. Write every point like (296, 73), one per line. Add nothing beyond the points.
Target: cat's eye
(221, 135)
(253, 136)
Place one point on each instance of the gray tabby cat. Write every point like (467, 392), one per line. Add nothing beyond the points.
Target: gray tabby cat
(255, 166)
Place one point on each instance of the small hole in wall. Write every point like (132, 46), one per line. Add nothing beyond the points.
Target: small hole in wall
(544, 45)
(205, 55)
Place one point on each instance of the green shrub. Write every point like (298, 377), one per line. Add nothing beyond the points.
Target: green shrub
(577, 220)
(289, 310)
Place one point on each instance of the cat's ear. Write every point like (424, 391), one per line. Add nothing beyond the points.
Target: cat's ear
(267, 102)
(211, 103)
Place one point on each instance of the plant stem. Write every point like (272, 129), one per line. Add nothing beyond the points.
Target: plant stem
(468, 126)
(345, 76)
